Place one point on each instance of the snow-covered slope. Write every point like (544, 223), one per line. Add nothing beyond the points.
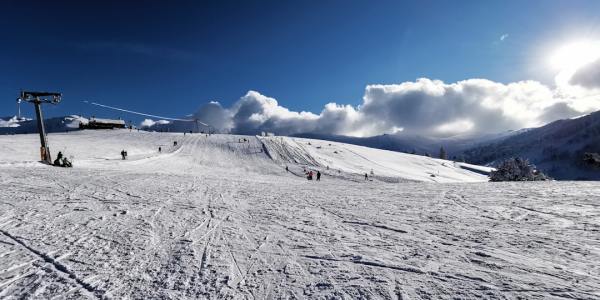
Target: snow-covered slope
(217, 218)
(419, 144)
(334, 156)
(557, 148)
(100, 148)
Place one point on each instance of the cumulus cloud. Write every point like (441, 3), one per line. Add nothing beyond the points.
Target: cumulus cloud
(434, 107)
(150, 123)
(214, 114)
(424, 106)
(588, 76)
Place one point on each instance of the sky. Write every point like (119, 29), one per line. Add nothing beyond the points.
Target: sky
(342, 67)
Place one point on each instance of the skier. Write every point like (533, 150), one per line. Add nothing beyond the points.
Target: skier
(159, 149)
(286, 169)
(318, 175)
(310, 175)
(366, 176)
(123, 154)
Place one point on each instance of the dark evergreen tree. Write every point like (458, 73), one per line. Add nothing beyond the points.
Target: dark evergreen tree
(443, 154)
(517, 169)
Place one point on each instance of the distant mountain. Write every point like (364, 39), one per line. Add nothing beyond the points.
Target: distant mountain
(13, 125)
(556, 148)
(416, 144)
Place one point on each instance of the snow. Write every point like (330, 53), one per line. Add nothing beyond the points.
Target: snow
(217, 218)
(557, 149)
(27, 125)
(360, 160)
(12, 121)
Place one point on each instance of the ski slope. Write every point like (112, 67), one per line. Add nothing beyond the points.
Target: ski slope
(355, 159)
(216, 218)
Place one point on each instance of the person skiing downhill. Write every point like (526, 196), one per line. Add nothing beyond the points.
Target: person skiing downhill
(318, 175)
(366, 176)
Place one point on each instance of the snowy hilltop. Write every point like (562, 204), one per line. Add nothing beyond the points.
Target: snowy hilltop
(14, 125)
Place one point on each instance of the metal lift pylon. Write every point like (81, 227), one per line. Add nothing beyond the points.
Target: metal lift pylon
(37, 98)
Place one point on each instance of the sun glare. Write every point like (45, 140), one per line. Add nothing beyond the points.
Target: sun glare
(575, 55)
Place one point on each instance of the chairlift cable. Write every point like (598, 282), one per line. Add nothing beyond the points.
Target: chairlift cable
(147, 115)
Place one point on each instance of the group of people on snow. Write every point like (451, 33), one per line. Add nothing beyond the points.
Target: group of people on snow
(61, 161)
(310, 174)
(160, 147)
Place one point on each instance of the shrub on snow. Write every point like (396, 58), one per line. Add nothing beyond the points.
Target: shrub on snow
(517, 169)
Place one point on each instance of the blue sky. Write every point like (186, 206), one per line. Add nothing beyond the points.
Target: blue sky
(170, 57)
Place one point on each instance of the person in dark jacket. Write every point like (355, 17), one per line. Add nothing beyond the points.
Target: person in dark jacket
(318, 175)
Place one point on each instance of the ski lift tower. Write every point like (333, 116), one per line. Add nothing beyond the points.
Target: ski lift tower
(37, 98)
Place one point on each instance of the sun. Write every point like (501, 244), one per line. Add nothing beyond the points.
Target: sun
(574, 55)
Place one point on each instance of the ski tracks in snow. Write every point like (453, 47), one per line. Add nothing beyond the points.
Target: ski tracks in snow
(206, 223)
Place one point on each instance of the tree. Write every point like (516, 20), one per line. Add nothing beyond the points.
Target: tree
(592, 159)
(443, 154)
(517, 169)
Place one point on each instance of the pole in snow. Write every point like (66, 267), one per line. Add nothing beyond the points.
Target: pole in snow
(37, 98)
(18, 109)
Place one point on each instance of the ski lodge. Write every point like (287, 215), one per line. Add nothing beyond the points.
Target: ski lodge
(96, 123)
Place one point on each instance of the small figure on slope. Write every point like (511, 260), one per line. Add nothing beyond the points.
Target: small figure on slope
(58, 160)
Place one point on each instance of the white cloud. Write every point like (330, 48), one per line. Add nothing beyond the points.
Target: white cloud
(588, 76)
(424, 106)
(150, 123)
(503, 37)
